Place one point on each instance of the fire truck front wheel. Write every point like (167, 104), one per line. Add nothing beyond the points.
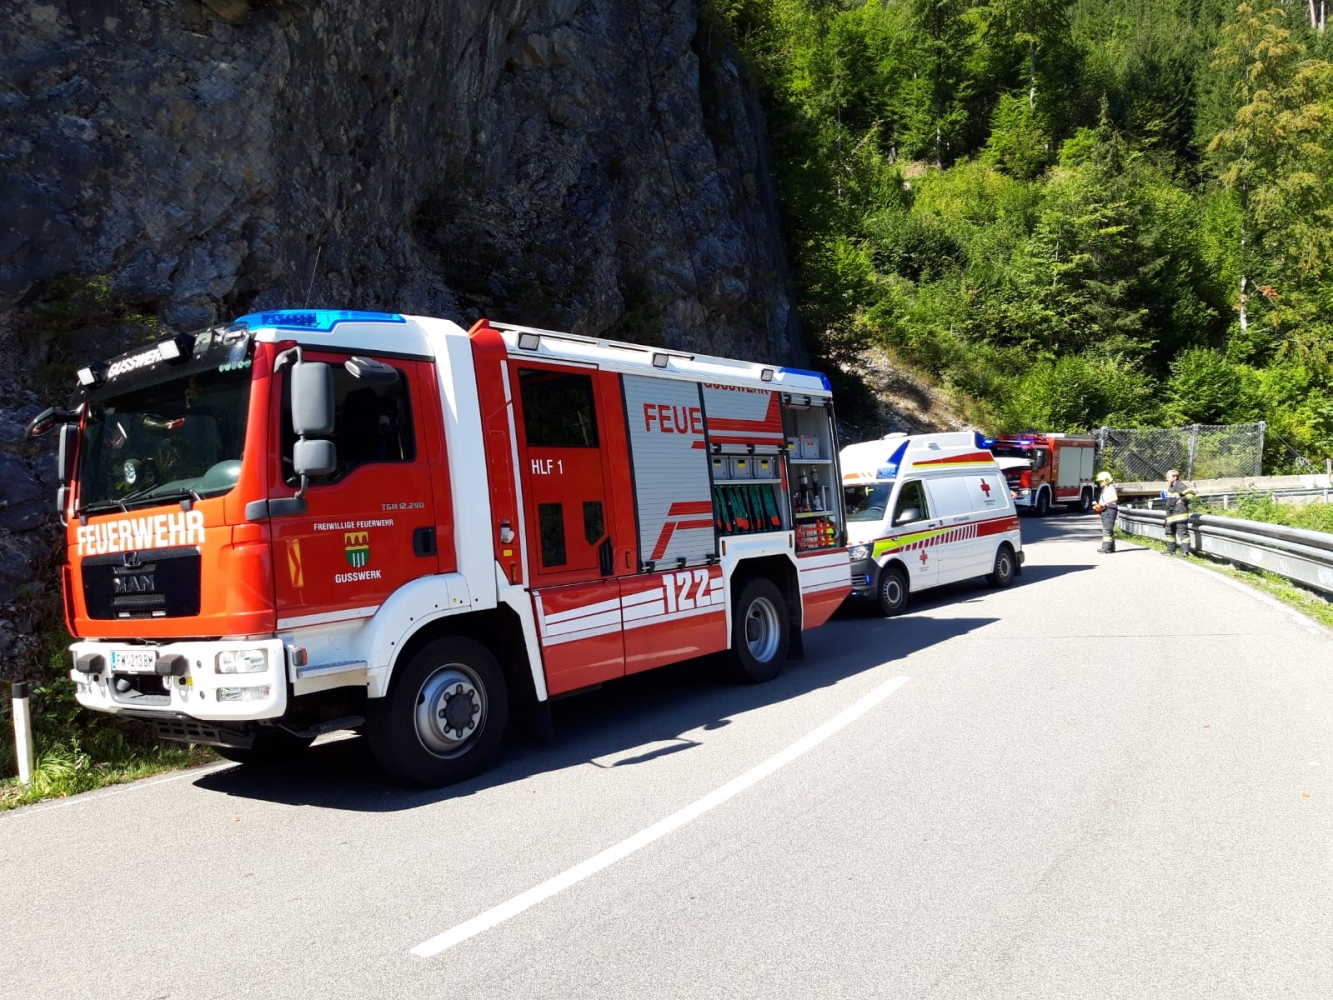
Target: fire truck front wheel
(1043, 505)
(445, 714)
(759, 632)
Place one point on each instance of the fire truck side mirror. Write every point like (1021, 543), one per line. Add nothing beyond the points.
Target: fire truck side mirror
(312, 399)
(69, 436)
(314, 458)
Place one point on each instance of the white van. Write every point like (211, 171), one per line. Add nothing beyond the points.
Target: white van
(926, 510)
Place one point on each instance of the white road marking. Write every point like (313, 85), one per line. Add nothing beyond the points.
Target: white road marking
(524, 901)
(1304, 621)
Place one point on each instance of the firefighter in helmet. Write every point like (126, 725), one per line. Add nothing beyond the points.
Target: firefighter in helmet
(1177, 495)
(1107, 505)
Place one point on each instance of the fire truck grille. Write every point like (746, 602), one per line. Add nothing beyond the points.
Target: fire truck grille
(163, 583)
(139, 600)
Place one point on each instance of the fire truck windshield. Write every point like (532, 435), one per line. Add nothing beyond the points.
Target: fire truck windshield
(181, 438)
(868, 501)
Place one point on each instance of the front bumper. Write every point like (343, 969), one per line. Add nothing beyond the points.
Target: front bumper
(865, 573)
(183, 681)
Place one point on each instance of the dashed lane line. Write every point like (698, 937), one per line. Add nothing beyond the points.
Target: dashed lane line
(525, 901)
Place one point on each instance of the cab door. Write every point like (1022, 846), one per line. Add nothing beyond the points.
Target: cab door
(369, 527)
(564, 422)
(916, 532)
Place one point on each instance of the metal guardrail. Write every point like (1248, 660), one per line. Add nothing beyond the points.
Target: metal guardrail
(1236, 486)
(1296, 553)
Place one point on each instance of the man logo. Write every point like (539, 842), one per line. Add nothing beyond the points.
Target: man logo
(356, 546)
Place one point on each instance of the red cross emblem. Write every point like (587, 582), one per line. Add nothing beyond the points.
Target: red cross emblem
(923, 557)
(985, 487)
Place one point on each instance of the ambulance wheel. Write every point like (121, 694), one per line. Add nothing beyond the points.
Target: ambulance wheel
(444, 716)
(276, 747)
(1003, 573)
(1085, 502)
(759, 635)
(1043, 503)
(892, 596)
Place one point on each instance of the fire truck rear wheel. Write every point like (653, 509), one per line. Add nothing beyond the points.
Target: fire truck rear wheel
(445, 714)
(1003, 573)
(893, 590)
(759, 632)
(276, 747)
(1043, 503)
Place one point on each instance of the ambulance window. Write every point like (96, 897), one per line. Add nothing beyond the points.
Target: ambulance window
(551, 522)
(558, 409)
(950, 496)
(911, 496)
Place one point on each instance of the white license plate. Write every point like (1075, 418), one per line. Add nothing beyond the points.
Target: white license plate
(134, 660)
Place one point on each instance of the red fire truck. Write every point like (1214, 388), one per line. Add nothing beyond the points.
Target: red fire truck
(1045, 469)
(317, 520)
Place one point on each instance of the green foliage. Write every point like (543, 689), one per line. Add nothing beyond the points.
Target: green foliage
(1206, 388)
(1263, 507)
(1063, 393)
(1077, 213)
(1020, 141)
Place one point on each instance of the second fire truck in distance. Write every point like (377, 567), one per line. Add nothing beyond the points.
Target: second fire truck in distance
(1046, 469)
(315, 520)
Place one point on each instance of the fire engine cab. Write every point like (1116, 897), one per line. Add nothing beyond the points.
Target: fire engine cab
(1046, 469)
(316, 520)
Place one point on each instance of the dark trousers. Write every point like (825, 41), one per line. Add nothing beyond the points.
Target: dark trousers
(1178, 534)
(1108, 527)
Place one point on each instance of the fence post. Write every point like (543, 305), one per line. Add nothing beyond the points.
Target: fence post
(1194, 447)
(22, 730)
(1260, 470)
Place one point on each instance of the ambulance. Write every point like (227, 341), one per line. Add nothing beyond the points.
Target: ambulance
(926, 510)
(319, 520)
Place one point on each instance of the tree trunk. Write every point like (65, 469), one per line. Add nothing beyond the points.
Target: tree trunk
(1314, 18)
(1032, 75)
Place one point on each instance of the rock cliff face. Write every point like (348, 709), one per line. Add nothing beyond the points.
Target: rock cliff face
(593, 165)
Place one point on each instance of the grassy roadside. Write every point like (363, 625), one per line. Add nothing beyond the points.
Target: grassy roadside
(76, 750)
(1309, 603)
(64, 769)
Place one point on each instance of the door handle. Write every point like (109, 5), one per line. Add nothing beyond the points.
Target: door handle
(606, 557)
(423, 542)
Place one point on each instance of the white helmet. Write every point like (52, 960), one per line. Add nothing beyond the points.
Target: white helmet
(1104, 477)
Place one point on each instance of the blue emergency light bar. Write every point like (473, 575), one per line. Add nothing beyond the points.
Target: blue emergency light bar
(319, 320)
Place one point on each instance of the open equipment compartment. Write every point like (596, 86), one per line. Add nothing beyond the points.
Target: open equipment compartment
(812, 480)
(748, 493)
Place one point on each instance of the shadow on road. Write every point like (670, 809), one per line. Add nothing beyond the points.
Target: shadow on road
(651, 711)
(1069, 527)
(651, 708)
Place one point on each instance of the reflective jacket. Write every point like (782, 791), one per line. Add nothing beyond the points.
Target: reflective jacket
(1178, 496)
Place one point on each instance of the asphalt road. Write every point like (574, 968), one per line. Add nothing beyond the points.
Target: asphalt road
(1111, 780)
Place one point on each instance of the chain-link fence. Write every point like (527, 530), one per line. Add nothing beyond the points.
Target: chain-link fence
(1200, 451)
